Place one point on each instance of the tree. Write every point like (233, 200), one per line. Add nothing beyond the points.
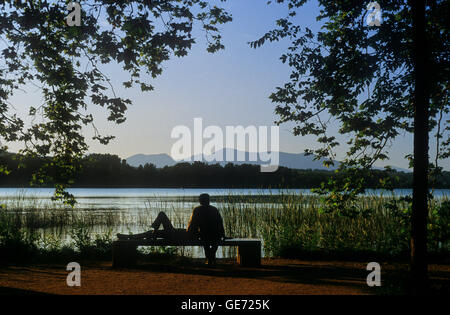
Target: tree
(65, 62)
(374, 82)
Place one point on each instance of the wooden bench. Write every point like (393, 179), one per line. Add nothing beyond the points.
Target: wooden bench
(125, 251)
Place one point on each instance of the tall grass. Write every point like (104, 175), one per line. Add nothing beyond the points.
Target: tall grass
(298, 225)
(291, 225)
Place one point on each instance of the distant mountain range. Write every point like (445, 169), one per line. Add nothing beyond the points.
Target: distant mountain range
(159, 160)
(290, 160)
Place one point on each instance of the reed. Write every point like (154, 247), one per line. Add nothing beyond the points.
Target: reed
(289, 224)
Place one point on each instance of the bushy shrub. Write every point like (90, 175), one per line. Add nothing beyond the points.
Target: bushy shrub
(15, 244)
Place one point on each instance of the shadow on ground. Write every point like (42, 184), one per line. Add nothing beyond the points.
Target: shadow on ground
(336, 273)
(298, 272)
(14, 291)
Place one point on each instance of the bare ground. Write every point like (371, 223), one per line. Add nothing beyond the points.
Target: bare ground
(183, 276)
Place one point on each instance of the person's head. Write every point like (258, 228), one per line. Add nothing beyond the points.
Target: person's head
(204, 199)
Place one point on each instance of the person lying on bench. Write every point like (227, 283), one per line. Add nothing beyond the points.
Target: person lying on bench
(205, 224)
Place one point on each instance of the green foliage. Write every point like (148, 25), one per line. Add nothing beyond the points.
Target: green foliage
(360, 78)
(103, 242)
(400, 210)
(439, 229)
(158, 250)
(81, 237)
(298, 226)
(50, 243)
(88, 245)
(284, 240)
(15, 243)
(66, 62)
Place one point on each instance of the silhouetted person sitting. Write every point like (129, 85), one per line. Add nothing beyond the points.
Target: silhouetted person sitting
(205, 224)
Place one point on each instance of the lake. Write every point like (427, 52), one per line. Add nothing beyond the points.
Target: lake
(143, 198)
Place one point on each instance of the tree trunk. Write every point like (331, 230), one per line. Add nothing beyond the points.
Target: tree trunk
(420, 177)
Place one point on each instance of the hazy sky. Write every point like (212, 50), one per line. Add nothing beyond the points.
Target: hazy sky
(227, 88)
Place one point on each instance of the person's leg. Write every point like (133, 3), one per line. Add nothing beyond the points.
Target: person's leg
(210, 253)
(135, 236)
(160, 234)
(207, 254)
(213, 251)
(163, 219)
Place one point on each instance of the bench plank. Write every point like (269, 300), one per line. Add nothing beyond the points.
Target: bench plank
(168, 242)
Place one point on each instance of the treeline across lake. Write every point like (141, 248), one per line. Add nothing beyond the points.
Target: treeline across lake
(105, 170)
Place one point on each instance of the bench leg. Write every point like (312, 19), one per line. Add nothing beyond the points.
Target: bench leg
(249, 255)
(124, 255)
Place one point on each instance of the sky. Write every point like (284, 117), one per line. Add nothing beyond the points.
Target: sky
(230, 87)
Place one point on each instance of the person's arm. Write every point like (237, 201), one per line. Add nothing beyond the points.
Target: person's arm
(220, 225)
(222, 229)
(193, 223)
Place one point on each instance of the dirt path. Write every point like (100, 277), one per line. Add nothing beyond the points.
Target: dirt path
(276, 276)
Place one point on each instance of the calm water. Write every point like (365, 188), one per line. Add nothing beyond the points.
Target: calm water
(145, 198)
